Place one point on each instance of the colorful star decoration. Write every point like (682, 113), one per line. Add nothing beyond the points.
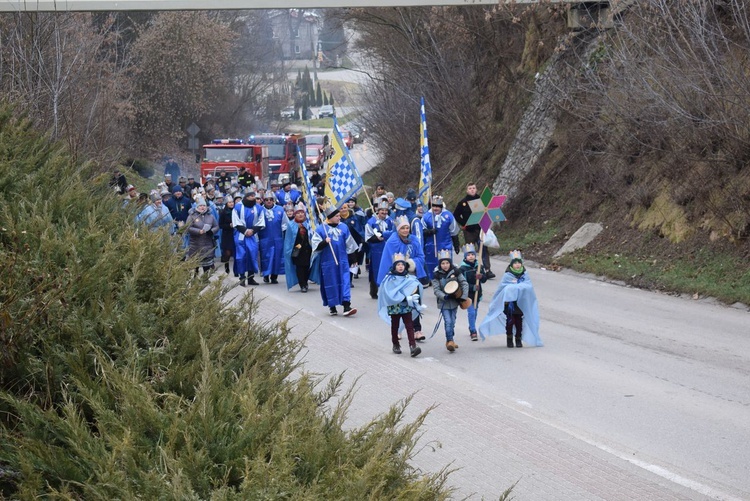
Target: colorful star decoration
(485, 210)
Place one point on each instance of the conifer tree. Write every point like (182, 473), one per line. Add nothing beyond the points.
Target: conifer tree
(319, 96)
(330, 99)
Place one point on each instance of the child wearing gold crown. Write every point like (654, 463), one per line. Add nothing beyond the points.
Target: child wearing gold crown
(475, 277)
(444, 274)
(514, 307)
(399, 302)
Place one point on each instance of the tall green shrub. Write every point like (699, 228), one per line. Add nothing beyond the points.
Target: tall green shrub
(122, 377)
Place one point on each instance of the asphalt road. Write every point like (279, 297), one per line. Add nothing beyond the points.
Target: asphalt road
(634, 395)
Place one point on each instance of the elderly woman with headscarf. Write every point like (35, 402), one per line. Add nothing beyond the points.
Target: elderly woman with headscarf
(201, 227)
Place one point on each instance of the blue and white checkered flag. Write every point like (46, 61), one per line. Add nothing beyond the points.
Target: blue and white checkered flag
(342, 178)
(425, 171)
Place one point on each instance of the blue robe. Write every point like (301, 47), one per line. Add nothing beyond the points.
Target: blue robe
(284, 197)
(386, 228)
(335, 282)
(290, 236)
(246, 248)
(271, 241)
(446, 227)
(521, 291)
(394, 289)
(411, 249)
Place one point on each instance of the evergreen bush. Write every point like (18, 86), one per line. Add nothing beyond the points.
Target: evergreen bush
(121, 377)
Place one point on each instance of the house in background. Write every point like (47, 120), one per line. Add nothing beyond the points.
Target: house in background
(296, 31)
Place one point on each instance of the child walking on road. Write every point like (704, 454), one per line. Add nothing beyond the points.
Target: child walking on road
(449, 285)
(399, 298)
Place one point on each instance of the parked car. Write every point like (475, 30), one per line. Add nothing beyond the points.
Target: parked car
(288, 112)
(326, 110)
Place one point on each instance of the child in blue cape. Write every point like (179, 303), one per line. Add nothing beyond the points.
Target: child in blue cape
(514, 306)
(399, 301)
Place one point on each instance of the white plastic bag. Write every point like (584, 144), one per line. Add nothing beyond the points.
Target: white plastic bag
(490, 240)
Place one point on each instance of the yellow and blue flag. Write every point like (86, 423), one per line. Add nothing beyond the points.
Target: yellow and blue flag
(342, 177)
(425, 171)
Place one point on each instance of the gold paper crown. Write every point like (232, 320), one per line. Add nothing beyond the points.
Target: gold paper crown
(444, 254)
(398, 257)
(515, 254)
(402, 221)
(469, 248)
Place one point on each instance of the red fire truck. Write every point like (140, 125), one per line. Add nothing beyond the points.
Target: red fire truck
(283, 155)
(231, 154)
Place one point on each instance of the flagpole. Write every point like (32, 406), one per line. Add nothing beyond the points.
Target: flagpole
(479, 269)
(325, 229)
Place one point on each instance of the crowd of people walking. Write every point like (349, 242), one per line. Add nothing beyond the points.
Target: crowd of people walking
(404, 247)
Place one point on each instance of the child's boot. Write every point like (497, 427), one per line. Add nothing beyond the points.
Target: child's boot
(518, 342)
(509, 338)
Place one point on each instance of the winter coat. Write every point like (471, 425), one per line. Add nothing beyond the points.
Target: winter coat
(200, 244)
(440, 278)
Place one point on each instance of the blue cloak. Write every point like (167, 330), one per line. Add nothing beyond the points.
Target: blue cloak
(521, 291)
(394, 289)
(335, 283)
(290, 236)
(446, 227)
(410, 249)
(271, 241)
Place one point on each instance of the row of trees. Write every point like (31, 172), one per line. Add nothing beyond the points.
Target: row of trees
(110, 84)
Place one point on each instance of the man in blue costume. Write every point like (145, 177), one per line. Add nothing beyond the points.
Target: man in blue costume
(378, 229)
(514, 305)
(440, 232)
(288, 194)
(247, 219)
(356, 223)
(298, 251)
(333, 242)
(271, 240)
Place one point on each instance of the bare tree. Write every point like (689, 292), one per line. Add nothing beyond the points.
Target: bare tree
(68, 75)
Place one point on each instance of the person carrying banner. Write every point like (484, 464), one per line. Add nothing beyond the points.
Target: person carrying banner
(378, 229)
(440, 232)
(333, 242)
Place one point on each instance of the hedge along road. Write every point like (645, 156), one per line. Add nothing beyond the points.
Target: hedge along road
(635, 395)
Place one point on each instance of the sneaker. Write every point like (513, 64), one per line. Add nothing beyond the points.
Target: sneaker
(266, 280)
(332, 311)
(473, 336)
(490, 275)
(349, 312)
(303, 289)
(451, 345)
(274, 281)
(415, 350)
(396, 349)
(242, 281)
(418, 336)
(251, 281)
